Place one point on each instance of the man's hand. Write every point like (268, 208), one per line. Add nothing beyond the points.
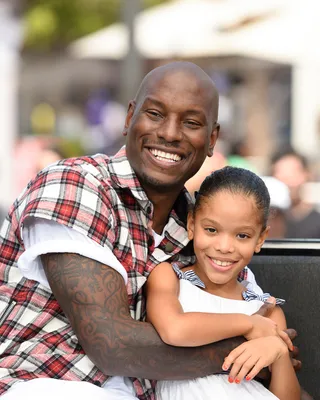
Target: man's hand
(295, 352)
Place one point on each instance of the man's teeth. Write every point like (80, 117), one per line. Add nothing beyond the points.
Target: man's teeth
(163, 156)
(222, 263)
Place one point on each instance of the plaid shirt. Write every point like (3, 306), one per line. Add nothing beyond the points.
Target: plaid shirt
(101, 198)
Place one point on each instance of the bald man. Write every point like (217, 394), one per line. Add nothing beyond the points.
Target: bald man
(81, 241)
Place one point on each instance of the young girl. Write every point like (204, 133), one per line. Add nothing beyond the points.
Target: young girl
(206, 302)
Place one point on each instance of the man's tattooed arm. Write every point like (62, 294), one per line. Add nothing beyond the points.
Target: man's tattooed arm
(94, 299)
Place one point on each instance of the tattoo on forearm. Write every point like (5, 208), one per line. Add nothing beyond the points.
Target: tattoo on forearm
(94, 299)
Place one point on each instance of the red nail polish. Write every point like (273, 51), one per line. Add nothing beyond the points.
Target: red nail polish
(237, 380)
(230, 379)
(248, 378)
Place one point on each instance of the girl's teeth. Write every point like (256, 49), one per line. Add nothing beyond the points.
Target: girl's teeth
(223, 263)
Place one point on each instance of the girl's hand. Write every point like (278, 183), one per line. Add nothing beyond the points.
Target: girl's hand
(248, 359)
(263, 327)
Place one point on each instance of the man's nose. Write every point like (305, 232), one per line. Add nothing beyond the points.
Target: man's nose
(170, 130)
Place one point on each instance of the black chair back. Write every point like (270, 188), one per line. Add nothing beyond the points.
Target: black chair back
(290, 269)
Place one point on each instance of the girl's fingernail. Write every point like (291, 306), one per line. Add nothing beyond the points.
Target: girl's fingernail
(230, 379)
(237, 380)
(248, 378)
(225, 367)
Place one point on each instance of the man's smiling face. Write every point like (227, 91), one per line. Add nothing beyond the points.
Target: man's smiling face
(170, 129)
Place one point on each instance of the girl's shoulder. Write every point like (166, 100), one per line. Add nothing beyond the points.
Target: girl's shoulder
(163, 272)
(162, 279)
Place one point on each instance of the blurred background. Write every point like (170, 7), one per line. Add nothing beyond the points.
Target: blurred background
(68, 69)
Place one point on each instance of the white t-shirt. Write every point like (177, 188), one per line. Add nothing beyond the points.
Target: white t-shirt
(41, 236)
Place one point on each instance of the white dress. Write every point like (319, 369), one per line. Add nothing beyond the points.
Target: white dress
(213, 387)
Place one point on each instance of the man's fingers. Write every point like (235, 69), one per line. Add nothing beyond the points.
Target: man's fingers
(284, 336)
(295, 352)
(292, 333)
(296, 364)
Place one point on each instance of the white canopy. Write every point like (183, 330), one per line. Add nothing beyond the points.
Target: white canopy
(289, 35)
(181, 28)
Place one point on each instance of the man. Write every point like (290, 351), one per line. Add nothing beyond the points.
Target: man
(85, 235)
(303, 220)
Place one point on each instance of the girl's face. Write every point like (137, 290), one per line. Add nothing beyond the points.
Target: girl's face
(226, 231)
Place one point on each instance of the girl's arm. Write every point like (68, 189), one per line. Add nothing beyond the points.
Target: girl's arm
(284, 383)
(192, 328)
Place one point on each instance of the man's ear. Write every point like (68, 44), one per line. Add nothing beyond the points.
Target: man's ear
(262, 238)
(130, 112)
(213, 138)
(190, 225)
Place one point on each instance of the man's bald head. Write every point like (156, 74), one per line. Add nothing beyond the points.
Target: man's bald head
(181, 69)
(175, 113)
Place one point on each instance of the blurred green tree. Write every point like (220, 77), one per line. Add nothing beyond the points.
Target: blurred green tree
(53, 24)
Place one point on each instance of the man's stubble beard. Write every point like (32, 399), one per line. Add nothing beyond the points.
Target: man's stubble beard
(148, 182)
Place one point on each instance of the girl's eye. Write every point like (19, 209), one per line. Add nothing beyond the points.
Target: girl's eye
(211, 230)
(243, 236)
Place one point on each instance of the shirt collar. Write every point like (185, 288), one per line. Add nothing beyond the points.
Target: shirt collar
(124, 176)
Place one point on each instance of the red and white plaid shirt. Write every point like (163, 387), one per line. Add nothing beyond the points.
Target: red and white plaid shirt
(101, 198)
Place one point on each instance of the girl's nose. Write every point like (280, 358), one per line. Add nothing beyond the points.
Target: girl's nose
(224, 244)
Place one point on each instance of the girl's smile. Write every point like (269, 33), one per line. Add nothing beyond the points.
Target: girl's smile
(221, 266)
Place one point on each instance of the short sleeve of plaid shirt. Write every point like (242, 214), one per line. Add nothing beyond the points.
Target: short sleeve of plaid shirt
(74, 193)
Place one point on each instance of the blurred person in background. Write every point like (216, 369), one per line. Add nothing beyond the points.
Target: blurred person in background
(34, 153)
(239, 156)
(105, 118)
(280, 203)
(303, 220)
(47, 157)
(235, 157)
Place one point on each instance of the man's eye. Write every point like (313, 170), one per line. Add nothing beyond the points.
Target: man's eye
(154, 114)
(192, 124)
